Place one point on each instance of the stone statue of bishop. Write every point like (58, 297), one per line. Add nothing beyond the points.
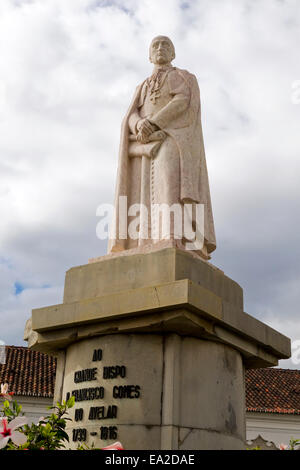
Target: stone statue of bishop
(162, 163)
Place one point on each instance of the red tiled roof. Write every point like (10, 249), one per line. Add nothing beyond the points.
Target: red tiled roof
(27, 372)
(273, 391)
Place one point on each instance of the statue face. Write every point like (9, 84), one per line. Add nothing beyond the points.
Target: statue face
(161, 50)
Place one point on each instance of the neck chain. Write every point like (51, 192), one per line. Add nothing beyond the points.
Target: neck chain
(155, 83)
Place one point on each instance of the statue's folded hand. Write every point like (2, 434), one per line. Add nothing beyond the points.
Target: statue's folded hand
(145, 129)
(142, 138)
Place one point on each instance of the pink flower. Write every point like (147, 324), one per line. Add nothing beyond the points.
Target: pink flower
(4, 392)
(7, 431)
(115, 446)
(283, 446)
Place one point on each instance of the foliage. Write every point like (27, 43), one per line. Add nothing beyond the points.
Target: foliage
(294, 444)
(48, 434)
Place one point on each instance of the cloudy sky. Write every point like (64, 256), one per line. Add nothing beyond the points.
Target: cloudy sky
(68, 70)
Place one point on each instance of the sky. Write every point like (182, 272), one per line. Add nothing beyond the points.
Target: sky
(68, 71)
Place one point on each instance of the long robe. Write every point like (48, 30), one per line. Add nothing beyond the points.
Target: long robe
(187, 173)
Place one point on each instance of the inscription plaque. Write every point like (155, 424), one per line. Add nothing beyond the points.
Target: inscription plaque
(109, 389)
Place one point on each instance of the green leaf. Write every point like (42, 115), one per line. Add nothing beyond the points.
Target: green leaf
(71, 402)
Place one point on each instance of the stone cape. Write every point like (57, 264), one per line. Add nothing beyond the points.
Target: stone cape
(186, 132)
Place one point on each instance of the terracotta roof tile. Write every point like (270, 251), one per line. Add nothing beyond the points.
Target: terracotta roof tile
(273, 391)
(28, 372)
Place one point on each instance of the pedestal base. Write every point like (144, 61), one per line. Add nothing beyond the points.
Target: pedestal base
(170, 392)
(153, 347)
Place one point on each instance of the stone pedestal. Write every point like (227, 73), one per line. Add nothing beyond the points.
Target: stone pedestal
(154, 347)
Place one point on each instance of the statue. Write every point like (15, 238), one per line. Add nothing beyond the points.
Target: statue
(162, 162)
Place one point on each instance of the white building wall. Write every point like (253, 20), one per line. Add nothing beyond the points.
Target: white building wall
(277, 428)
(34, 407)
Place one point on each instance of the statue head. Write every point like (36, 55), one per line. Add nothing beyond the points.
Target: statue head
(161, 51)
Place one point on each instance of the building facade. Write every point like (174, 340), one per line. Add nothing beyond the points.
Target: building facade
(31, 377)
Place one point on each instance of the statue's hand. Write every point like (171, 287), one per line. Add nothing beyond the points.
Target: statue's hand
(145, 129)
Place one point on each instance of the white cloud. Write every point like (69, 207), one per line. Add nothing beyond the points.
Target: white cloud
(67, 73)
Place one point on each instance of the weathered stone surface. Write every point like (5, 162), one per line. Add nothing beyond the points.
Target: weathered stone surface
(210, 440)
(142, 355)
(197, 373)
(210, 372)
(176, 377)
(121, 273)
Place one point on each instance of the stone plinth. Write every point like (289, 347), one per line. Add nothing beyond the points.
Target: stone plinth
(163, 341)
